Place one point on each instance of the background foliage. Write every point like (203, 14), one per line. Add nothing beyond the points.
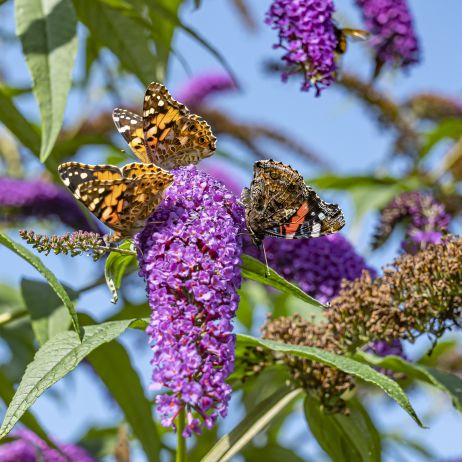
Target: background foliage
(83, 58)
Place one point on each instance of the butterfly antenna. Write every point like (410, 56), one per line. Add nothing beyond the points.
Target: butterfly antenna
(267, 272)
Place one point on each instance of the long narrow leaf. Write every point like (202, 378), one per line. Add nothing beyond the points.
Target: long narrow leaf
(25, 254)
(48, 33)
(28, 419)
(48, 314)
(345, 364)
(255, 421)
(17, 124)
(257, 271)
(344, 438)
(59, 356)
(121, 34)
(444, 381)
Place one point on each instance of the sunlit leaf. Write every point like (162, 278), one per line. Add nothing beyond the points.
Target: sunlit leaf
(344, 437)
(59, 356)
(344, 363)
(115, 268)
(257, 271)
(28, 256)
(48, 33)
(254, 422)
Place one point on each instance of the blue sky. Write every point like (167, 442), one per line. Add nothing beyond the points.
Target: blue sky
(334, 126)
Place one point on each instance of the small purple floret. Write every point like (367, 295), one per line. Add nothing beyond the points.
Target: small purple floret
(306, 33)
(190, 258)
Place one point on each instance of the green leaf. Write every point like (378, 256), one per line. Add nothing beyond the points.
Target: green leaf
(444, 381)
(48, 33)
(48, 314)
(28, 419)
(331, 181)
(17, 124)
(25, 254)
(112, 363)
(115, 268)
(256, 270)
(344, 438)
(162, 32)
(344, 363)
(168, 15)
(446, 129)
(20, 340)
(255, 421)
(124, 36)
(99, 442)
(59, 356)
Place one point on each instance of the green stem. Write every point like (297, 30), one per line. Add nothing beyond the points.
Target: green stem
(5, 318)
(181, 441)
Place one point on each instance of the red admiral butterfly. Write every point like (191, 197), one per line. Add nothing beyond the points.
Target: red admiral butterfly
(280, 204)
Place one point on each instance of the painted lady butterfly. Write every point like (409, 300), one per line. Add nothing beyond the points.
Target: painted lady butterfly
(122, 198)
(279, 203)
(168, 134)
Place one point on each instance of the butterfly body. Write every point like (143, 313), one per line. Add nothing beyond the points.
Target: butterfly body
(122, 198)
(167, 134)
(280, 204)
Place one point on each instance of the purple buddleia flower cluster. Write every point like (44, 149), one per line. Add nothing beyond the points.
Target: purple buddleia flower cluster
(306, 33)
(428, 220)
(28, 447)
(198, 89)
(317, 266)
(393, 35)
(21, 199)
(189, 255)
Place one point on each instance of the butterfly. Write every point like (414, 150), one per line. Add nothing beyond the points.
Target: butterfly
(280, 204)
(122, 198)
(167, 134)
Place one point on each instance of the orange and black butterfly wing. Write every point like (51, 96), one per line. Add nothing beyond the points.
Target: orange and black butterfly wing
(123, 204)
(73, 174)
(130, 126)
(173, 136)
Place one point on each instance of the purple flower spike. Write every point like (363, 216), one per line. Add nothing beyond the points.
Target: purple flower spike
(30, 448)
(316, 265)
(306, 33)
(40, 199)
(198, 89)
(428, 220)
(190, 258)
(390, 23)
